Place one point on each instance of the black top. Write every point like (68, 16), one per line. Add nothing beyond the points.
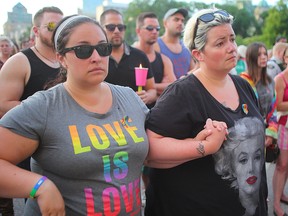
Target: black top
(194, 188)
(41, 73)
(123, 74)
(158, 68)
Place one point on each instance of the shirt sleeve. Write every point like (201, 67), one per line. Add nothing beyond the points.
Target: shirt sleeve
(171, 116)
(28, 119)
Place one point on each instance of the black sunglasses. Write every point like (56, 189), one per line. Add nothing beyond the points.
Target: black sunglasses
(208, 17)
(85, 51)
(112, 27)
(151, 28)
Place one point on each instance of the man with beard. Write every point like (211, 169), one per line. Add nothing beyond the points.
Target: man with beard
(27, 72)
(170, 44)
(147, 29)
(124, 58)
(31, 69)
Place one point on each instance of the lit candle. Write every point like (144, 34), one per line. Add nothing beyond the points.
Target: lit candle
(141, 76)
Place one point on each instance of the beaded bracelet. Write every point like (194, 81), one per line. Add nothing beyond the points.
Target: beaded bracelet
(36, 187)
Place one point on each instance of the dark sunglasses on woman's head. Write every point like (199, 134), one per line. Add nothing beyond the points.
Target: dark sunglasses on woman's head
(151, 28)
(85, 51)
(208, 17)
(112, 27)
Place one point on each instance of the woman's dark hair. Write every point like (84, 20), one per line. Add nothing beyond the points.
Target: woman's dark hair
(63, 35)
(252, 63)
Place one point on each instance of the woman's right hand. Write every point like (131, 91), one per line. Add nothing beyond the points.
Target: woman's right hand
(217, 136)
(50, 200)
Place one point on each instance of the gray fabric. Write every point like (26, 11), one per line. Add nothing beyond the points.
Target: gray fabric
(265, 97)
(90, 157)
(273, 68)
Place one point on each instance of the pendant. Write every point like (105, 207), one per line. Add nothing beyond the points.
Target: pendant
(245, 108)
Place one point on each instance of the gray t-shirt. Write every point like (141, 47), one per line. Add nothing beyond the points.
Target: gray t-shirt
(95, 160)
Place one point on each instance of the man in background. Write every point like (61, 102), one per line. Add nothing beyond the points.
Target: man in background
(147, 29)
(124, 58)
(170, 43)
(6, 48)
(28, 71)
(275, 63)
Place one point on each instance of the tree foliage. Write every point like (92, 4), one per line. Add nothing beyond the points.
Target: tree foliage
(276, 23)
(272, 22)
(159, 7)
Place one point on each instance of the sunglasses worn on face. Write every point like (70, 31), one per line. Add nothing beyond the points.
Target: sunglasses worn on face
(112, 27)
(208, 17)
(85, 51)
(151, 28)
(50, 26)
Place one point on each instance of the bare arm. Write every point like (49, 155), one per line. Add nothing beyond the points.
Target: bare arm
(18, 182)
(167, 152)
(13, 78)
(168, 75)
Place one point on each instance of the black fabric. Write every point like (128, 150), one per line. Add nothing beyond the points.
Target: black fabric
(158, 68)
(123, 73)
(41, 73)
(6, 207)
(194, 188)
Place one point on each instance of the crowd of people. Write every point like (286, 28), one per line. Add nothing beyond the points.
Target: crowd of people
(78, 135)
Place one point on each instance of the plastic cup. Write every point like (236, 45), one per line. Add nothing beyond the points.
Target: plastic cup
(141, 76)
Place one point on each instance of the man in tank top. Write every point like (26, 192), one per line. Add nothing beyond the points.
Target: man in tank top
(147, 29)
(170, 43)
(28, 71)
(31, 69)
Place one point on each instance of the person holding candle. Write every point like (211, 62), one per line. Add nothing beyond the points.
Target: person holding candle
(125, 59)
(147, 29)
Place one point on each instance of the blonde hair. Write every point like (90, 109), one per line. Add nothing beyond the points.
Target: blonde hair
(278, 47)
(198, 42)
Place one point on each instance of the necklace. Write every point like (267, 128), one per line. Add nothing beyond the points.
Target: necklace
(53, 62)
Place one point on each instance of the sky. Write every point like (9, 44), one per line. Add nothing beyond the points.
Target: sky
(68, 7)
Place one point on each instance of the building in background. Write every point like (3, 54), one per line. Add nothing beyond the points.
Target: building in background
(18, 24)
(94, 8)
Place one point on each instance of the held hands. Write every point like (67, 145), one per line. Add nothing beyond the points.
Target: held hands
(212, 136)
(50, 200)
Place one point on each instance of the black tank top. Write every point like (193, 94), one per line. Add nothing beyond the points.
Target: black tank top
(158, 68)
(41, 73)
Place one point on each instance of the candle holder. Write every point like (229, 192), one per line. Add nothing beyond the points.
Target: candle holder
(141, 77)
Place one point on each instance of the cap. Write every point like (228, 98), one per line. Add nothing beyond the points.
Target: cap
(173, 11)
(242, 51)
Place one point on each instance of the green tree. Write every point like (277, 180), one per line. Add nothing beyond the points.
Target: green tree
(159, 7)
(275, 23)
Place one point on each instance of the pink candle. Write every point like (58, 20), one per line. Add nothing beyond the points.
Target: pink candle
(141, 76)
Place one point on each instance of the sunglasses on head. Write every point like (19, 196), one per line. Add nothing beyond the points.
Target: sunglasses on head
(151, 28)
(51, 26)
(85, 51)
(112, 27)
(208, 17)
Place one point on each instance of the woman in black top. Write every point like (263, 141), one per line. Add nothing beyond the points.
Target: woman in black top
(186, 182)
